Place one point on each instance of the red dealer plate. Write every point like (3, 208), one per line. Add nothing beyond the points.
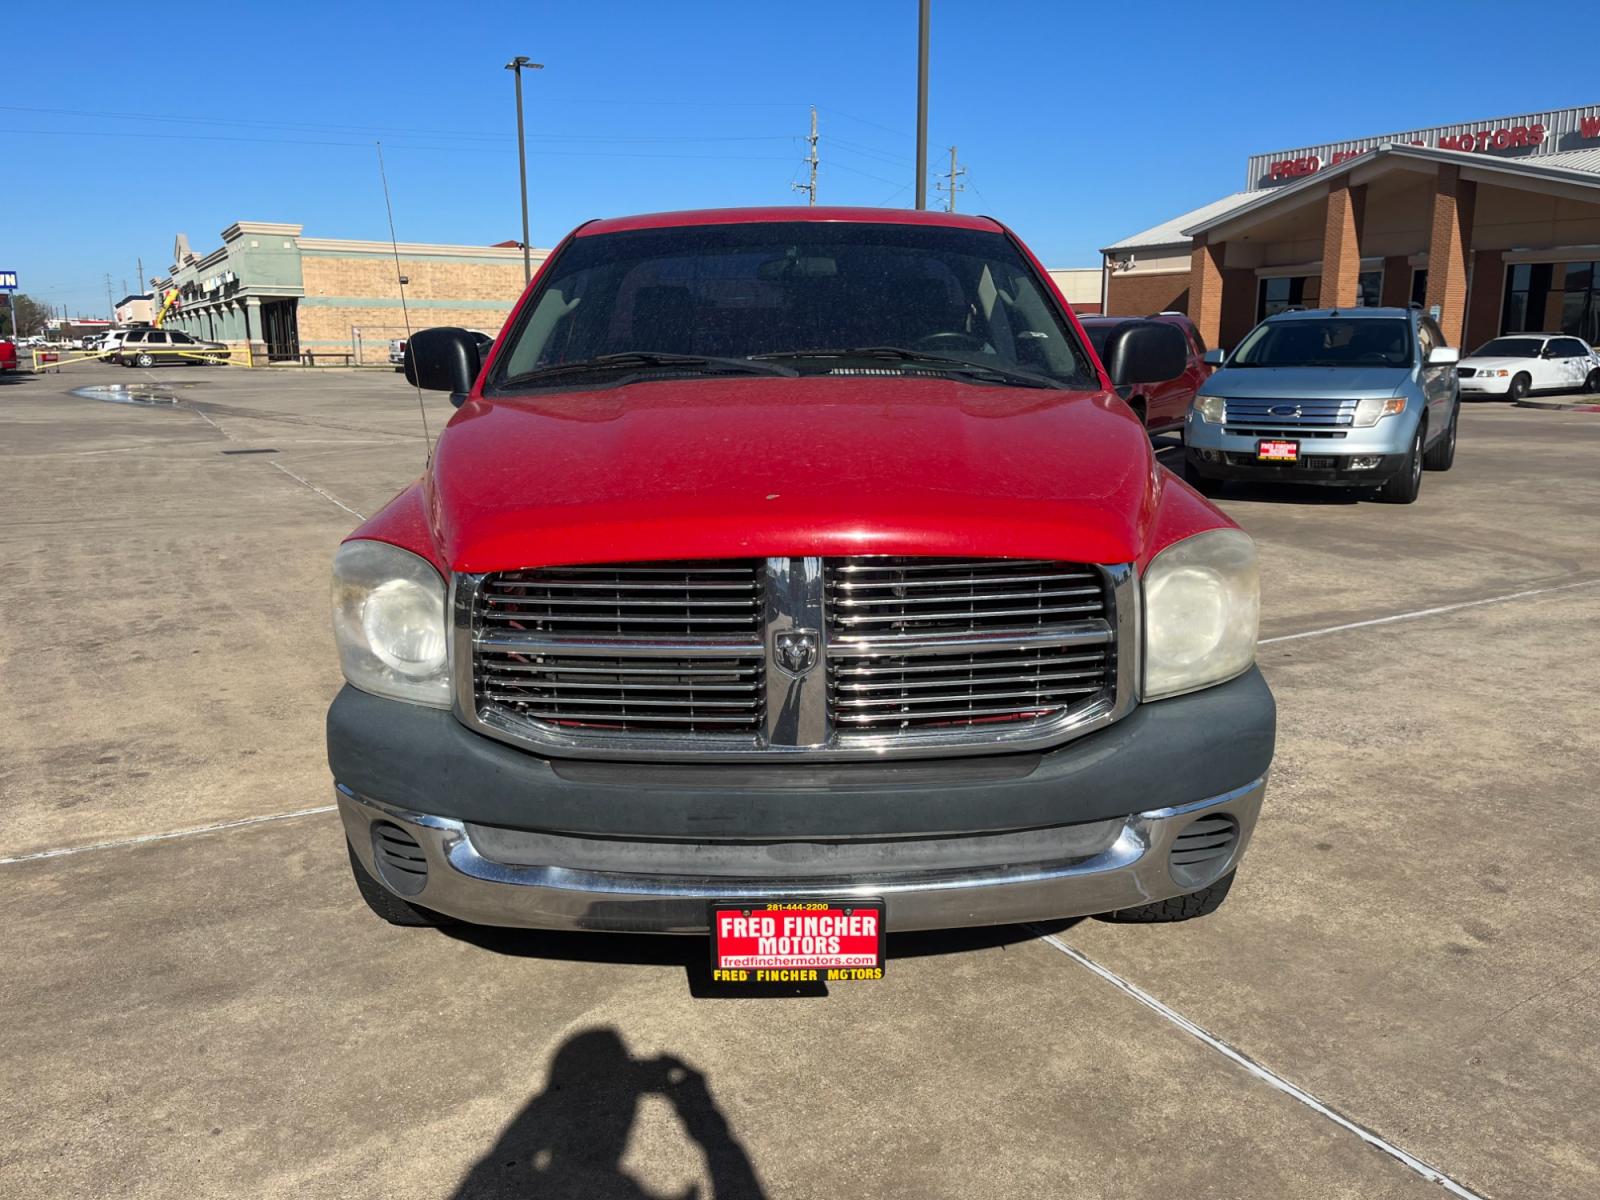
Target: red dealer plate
(809, 941)
(1277, 451)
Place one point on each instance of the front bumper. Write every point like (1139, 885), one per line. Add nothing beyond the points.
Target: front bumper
(1343, 457)
(1130, 866)
(1485, 385)
(511, 838)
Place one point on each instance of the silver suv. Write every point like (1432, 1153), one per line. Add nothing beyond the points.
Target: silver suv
(1354, 397)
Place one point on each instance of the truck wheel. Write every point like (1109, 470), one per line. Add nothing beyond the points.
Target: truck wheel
(1521, 384)
(1407, 482)
(1180, 908)
(386, 904)
(1443, 452)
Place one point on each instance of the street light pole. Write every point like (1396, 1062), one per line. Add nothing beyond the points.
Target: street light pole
(922, 106)
(516, 65)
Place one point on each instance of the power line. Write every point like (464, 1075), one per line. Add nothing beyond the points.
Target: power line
(810, 189)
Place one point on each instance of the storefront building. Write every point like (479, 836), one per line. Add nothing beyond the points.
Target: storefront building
(1493, 225)
(286, 295)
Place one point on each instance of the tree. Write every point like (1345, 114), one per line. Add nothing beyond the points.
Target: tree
(31, 316)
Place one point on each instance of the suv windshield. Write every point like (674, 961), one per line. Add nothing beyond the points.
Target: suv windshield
(806, 295)
(1510, 347)
(1326, 342)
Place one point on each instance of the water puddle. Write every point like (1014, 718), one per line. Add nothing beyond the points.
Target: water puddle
(128, 393)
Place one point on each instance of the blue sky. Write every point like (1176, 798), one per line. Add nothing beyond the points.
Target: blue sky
(1079, 123)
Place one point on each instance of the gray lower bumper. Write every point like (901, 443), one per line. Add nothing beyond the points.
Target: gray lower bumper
(1128, 865)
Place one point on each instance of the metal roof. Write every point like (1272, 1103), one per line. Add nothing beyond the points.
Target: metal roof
(1170, 233)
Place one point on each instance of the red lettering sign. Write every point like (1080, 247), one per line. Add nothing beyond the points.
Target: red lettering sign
(1589, 127)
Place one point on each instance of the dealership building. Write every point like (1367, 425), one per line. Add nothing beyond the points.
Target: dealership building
(1492, 225)
(286, 295)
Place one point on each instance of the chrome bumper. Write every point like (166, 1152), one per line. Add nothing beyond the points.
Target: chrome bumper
(463, 883)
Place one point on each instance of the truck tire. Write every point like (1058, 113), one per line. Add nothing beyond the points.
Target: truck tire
(1521, 385)
(1442, 453)
(386, 904)
(1403, 487)
(1180, 908)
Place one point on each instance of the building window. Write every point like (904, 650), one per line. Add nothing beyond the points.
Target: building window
(1527, 290)
(1369, 293)
(1419, 286)
(1580, 302)
(1282, 292)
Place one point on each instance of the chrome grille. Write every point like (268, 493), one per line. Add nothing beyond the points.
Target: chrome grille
(957, 595)
(911, 642)
(1299, 414)
(688, 599)
(908, 655)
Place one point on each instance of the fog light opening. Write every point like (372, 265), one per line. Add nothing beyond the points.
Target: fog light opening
(1366, 462)
(1202, 851)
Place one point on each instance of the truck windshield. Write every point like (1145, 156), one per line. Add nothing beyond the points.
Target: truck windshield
(810, 295)
(1326, 342)
(1510, 347)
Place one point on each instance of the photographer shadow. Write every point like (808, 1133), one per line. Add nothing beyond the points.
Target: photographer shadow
(568, 1141)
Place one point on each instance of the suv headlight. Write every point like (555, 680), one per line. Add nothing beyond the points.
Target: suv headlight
(1370, 411)
(1202, 610)
(389, 623)
(1213, 410)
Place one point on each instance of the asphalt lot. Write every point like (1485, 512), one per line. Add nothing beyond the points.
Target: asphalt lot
(212, 1011)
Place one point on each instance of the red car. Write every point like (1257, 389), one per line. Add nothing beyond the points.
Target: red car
(1163, 405)
(788, 575)
(8, 355)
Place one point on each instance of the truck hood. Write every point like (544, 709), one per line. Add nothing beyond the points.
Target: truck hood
(751, 467)
(1305, 383)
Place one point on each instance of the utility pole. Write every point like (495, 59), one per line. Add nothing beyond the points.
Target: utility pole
(111, 304)
(144, 284)
(953, 187)
(516, 66)
(922, 106)
(810, 188)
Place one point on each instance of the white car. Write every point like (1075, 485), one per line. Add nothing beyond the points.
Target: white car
(1518, 363)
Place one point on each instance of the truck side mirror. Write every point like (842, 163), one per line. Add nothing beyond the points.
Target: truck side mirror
(1215, 357)
(443, 360)
(1145, 352)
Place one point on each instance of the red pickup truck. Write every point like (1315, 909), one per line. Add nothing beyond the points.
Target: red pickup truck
(788, 575)
(8, 355)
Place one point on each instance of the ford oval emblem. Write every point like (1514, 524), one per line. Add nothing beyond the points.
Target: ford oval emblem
(1285, 410)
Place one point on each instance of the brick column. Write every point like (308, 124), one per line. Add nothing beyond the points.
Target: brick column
(1341, 244)
(1449, 242)
(1205, 290)
(1396, 282)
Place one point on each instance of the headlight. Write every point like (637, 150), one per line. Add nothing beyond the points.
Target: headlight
(1213, 410)
(389, 623)
(1202, 608)
(1501, 374)
(1370, 412)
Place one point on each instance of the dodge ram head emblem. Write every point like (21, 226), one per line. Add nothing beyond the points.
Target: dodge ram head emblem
(795, 651)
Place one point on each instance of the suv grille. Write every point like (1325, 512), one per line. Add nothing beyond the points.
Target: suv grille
(833, 657)
(1249, 416)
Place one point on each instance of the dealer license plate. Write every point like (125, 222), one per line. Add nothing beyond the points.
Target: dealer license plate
(811, 941)
(1269, 450)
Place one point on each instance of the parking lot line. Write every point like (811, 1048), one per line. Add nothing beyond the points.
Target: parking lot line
(141, 839)
(1272, 1079)
(1430, 612)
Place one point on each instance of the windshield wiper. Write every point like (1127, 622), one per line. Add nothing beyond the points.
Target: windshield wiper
(942, 362)
(637, 360)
